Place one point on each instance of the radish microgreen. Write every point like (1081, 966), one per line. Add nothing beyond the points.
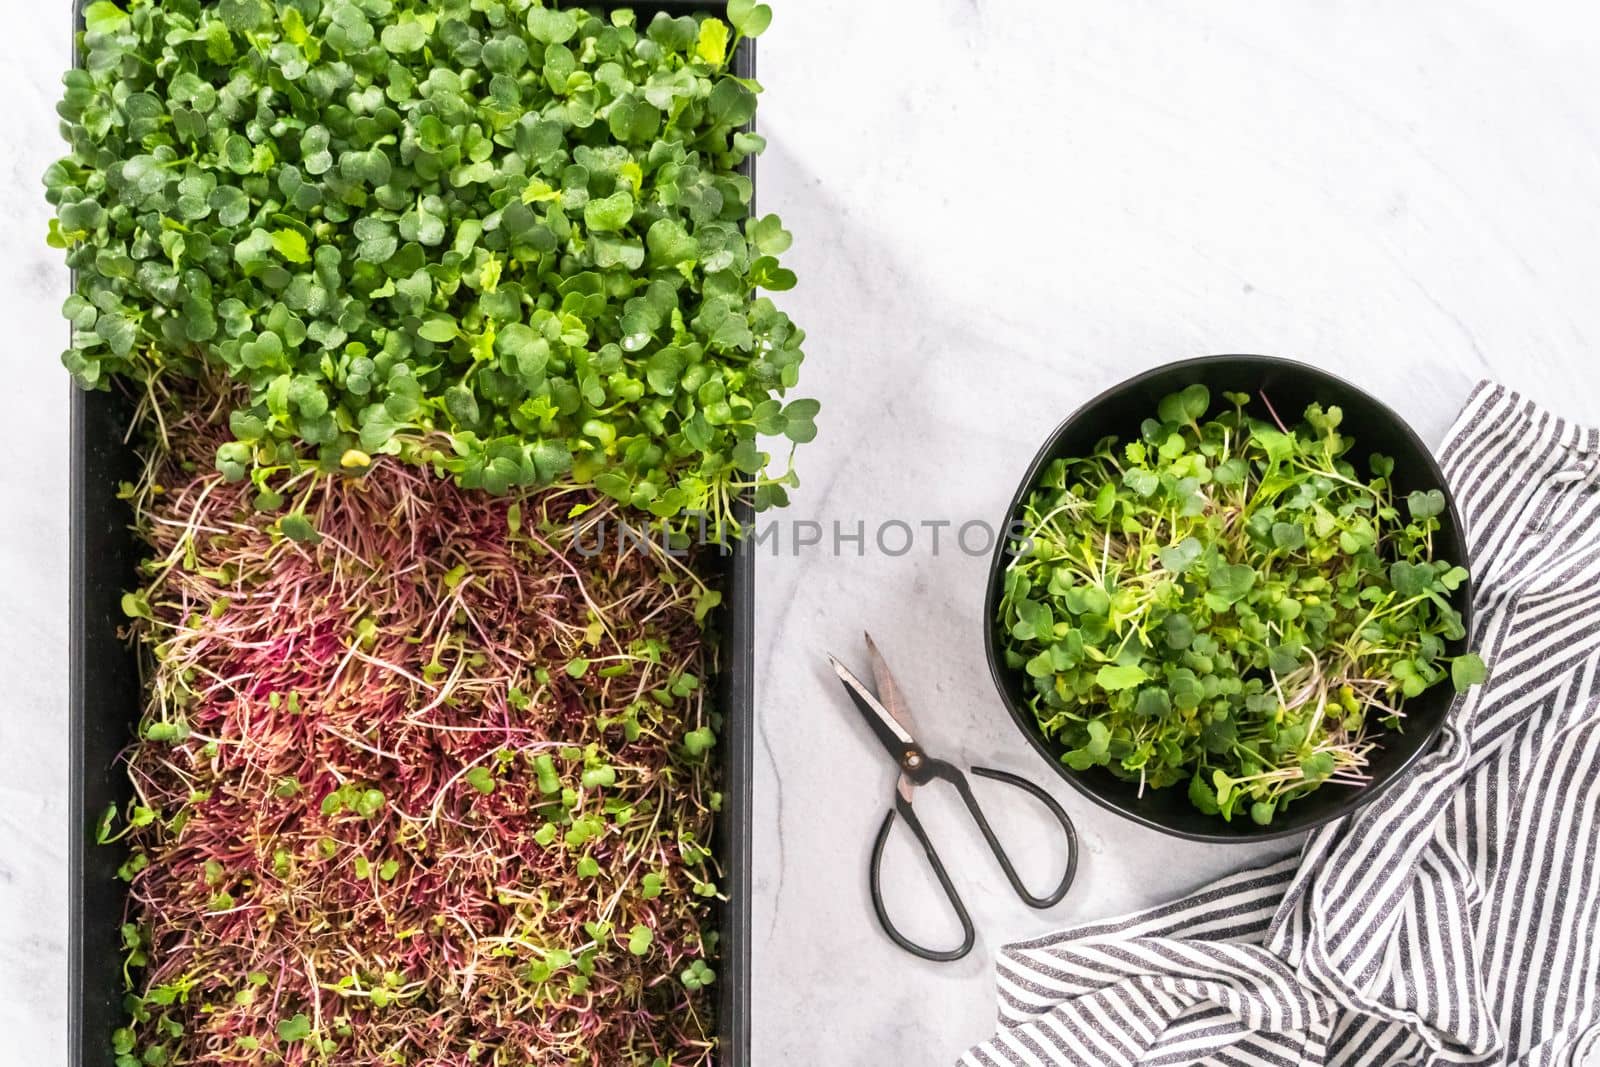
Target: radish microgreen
(1229, 603)
(509, 242)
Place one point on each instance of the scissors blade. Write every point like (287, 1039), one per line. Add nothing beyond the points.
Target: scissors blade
(904, 785)
(888, 692)
(890, 733)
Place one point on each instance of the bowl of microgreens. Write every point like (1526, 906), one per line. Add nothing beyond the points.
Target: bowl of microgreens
(1235, 602)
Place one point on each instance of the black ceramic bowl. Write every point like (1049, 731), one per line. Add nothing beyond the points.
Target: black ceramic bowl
(1290, 386)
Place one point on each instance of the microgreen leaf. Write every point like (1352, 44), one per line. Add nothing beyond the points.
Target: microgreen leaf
(1185, 406)
(1202, 796)
(697, 975)
(1289, 536)
(712, 44)
(608, 214)
(1233, 580)
(1425, 505)
(296, 527)
(1152, 703)
(291, 245)
(438, 329)
(104, 17)
(1467, 671)
(295, 1028)
(1181, 556)
(1112, 677)
(698, 741)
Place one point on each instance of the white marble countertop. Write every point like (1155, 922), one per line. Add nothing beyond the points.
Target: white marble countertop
(1000, 207)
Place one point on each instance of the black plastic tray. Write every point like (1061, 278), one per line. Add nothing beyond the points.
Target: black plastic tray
(105, 701)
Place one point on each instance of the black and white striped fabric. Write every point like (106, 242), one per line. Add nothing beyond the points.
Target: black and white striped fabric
(1454, 919)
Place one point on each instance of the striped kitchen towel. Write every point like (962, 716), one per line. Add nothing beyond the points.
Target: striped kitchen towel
(1454, 919)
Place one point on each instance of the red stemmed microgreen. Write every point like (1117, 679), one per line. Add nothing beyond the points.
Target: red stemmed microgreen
(428, 787)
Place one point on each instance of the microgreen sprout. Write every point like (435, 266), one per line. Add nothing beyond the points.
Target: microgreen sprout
(342, 856)
(1229, 602)
(506, 241)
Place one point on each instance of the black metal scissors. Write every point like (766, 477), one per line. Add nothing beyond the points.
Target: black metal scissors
(890, 719)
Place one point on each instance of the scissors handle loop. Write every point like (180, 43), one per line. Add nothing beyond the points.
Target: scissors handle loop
(1054, 896)
(934, 768)
(968, 935)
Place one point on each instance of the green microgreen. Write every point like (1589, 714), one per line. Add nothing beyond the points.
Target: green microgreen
(508, 242)
(481, 779)
(295, 1028)
(1229, 603)
(697, 975)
